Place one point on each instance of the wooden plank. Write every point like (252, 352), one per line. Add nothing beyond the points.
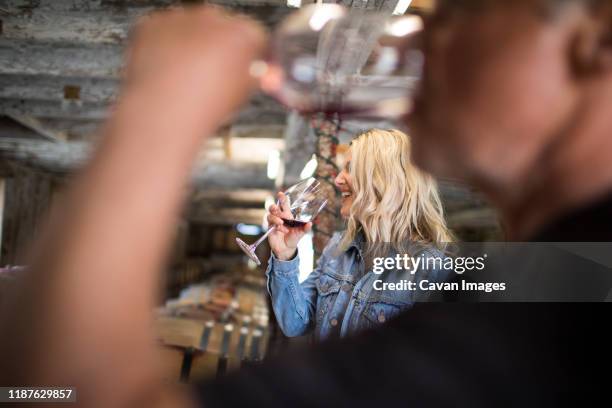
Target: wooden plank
(258, 131)
(29, 6)
(274, 115)
(2, 193)
(24, 57)
(49, 90)
(76, 129)
(56, 157)
(226, 216)
(243, 150)
(230, 175)
(14, 129)
(54, 109)
(103, 22)
(28, 197)
(36, 126)
(244, 197)
(79, 26)
(83, 129)
(51, 87)
(117, 6)
(70, 156)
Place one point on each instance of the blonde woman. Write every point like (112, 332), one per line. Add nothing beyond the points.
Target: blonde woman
(390, 208)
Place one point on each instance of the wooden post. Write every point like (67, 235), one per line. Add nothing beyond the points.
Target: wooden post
(2, 184)
(326, 130)
(27, 199)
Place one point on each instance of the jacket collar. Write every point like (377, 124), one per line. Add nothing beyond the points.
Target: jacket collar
(357, 243)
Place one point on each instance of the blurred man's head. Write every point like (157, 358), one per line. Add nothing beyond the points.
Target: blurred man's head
(506, 80)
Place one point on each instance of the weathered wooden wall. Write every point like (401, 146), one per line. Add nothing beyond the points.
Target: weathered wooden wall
(27, 200)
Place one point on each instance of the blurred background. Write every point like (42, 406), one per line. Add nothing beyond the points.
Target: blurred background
(60, 70)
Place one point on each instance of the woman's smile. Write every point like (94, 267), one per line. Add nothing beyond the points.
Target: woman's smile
(343, 182)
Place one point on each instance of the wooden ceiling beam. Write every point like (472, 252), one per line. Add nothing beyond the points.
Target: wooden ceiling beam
(82, 129)
(245, 197)
(244, 150)
(39, 128)
(226, 216)
(78, 110)
(45, 155)
(231, 175)
(54, 88)
(70, 156)
(106, 22)
(27, 57)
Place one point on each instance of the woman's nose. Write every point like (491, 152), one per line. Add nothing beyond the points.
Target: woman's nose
(339, 180)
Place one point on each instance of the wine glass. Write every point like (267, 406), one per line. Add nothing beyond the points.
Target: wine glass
(305, 200)
(331, 59)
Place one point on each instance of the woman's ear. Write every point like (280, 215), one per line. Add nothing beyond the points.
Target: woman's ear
(591, 50)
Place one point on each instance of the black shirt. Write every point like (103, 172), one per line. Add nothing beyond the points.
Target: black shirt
(452, 355)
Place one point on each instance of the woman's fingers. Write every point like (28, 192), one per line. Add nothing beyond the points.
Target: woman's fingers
(278, 223)
(274, 220)
(274, 210)
(285, 205)
(275, 217)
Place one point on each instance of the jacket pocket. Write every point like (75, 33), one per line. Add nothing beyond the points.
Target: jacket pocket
(327, 290)
(380, 309)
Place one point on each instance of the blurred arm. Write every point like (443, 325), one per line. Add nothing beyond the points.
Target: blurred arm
(84, 318)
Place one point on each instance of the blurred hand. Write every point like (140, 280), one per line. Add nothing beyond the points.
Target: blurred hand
(283, 241)
(193, 61)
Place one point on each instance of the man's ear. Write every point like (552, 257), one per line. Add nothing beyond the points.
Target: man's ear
(591, 50)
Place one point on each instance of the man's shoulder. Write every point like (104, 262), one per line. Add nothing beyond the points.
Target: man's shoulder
(590, 222)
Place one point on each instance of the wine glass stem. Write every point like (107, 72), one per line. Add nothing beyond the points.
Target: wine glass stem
(264, 236)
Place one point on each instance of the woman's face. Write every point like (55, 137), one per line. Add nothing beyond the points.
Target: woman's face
(344, 184)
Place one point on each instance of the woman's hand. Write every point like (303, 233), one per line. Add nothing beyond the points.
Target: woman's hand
(283, 240)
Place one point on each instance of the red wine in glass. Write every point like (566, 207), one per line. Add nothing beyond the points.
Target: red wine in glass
(294, 223)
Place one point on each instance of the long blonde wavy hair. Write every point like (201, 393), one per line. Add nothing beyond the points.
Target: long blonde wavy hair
(394, 202)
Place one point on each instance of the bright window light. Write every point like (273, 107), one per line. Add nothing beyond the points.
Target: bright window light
(309, 168)
(306, 251)
(273, 164)
(403, 26)
(294, 3)
(322, 15)
(269, 201)
(264, 222)
(248, 229)
(401, 7)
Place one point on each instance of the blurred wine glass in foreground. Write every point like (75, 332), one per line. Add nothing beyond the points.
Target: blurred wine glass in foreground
(327, 58)
(305, 200)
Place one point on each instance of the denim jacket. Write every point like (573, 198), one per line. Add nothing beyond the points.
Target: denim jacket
(339, 297)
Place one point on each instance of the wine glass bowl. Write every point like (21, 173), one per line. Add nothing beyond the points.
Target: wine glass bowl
(302, 203)
(327, 58)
